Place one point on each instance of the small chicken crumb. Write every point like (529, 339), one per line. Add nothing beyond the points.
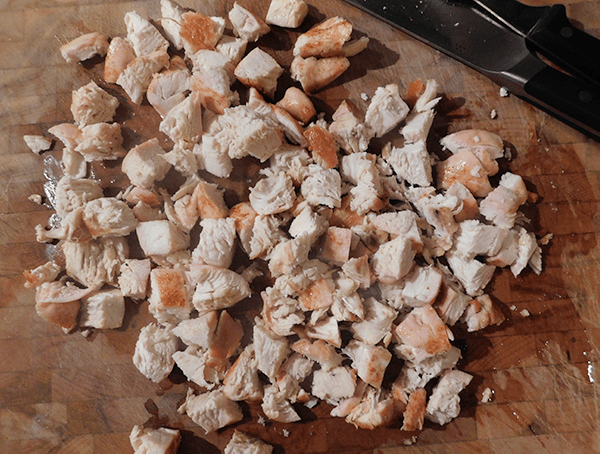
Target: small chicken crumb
(494, 114)
(504, 92)
(487, 395)
(286, 433)
(261, 421)
(409, 441)
(364, 96)
(545, 240)
(525, 313)
(36, 198)
(513, 308)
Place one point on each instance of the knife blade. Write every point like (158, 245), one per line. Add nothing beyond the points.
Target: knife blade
(483, 43)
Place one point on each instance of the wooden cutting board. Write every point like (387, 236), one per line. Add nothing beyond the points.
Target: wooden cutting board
(72, 394)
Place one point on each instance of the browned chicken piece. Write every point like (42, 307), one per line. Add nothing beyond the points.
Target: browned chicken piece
(310, 223)
(318, 295)
(287, 13)
(200, 32)
(68, 133)
(467, 169)
(323, 146)
(37, 143)
(211, 410)
(144, 164)
(72, 228)
(246, 24)
(259, 70)
(101, 141)
(108, 216)
(242, 381)
(75, 193)
(325, 39)
(349, 130)
(136, 194)
(281, 313)
(315, 73)
(43, 273)
(214, 88)
(167, 89)
(336, 248)
(210, 201)
(244, 216)
(225, 343)
(298, 104)
(59, 302)
(376, 409)
(91, 104)
(344, 216)
(145, 440)
(369, 361)
(450, 304)
(84, 47)
(481, 312)
(120, 53)
(485, 145)
(468, 207)
(318, 351)
(414, 415)
(345, 406)
(169, 299)
(137, 75)
(143, 36)
(243, 443)
(103, 309)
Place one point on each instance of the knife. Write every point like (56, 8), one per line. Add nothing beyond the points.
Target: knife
(469, 33)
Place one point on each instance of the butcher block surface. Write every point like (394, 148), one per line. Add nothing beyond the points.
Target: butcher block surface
(64, 393)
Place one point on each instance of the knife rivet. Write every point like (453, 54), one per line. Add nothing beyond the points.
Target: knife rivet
(566, 32)
(585, 96)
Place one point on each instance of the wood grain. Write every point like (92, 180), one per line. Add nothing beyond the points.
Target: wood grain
(71, 394)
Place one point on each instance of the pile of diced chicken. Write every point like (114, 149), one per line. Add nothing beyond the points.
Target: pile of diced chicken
(357, 241)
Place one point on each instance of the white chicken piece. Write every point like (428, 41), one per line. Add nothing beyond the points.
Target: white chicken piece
(43, 273)
(243, 443)
(183, 160)
(200, 32)
(325, 39)
(316, 73)
(103, 309)
(322, 186)
(154, 351)
(386, 110)
(450, 304)
(244, 217)
(280, 313)
(136, 194)
(297, 103)
(412, 163)
(133, 279)
(360, 169)
(317, 295)
(516, 184)
(276, 407)
(355, 46)
(376, 324)
(337, 245)
(120, 53)
(467, 169)
(270, 349)
(302, 276)
(444, 403)
(37, 143)
(169, 299)
(272, 195)
(527, 247)
(320, 142)
(485, 145)
(401, 223)
(472, 274)
(144, 212)
(475, 238)
(217, 242)
(161, 237)
(59, 302)
(369, 361)
(198, 332)
(144, 164)
(242, 381)
(68, 133)
(210, 201)
(481, 312)
(414, 414)
(322, 326)
(393, 260)
(108, 216)
(227, 339)
(437, 210)
(500, 205)
(288, 254)
(287, 13)
(183, 123)
(96, 262)
(233, 48)
(143, 36)
(349, 130)
(427, 100)
(137, 75)
(214, 86)
(84, 47)
(292, 160)
(101, 141)
(260, 71)
(308, 223)
(211, 410)
(246, 24)
(334, 385)
(194, 365)
(423, 334)
(294, 371)
(171, 22)
(417, 126)
(345, 406)
(211, 156)
(217, 288)
(73, 163)
(75, 193)
(167, 89)
(91, 104)
(71, 228)
(358, 269)
(318, 351)
(467, 207)
(154, 441)
(376, 409)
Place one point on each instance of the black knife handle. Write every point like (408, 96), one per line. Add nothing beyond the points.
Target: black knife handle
(575, 51)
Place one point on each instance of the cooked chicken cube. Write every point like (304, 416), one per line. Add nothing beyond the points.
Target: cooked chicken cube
(318, 351)
(412, 163)
(325, 39)
(360, 169)
(103, 309)
(422, 286)
(444, 403)
(247, 25)
(358, 269)
(336, 248)
(322, 326)
(108, 216)
(233, 48)
(243, 443)
(43, 273)
(376, 409)
(438, 211)
(450, 304)
(218, 288)
(323, 146)
(169, 299)
(322, 186)
(211, 157)
(214, 87)
(298, 104)
(468, 207)
(293, 372)
(516, 184)
(211, 410)
(355, 46)
(315, 73)
(467, 169)
(227, 339)
(369, 361)
(84, 47)
(393, 260)
(171, 22)
(417, 126)
(474, 238)
(481, 312)
(273, 194)
(527, 248)
(71, 228)
(120, 53)
(270, 349)
(154, 441)
(68, 133)
(143, 36)
(386, 110)
(75, 193)
(288, 254)
(426, 98)
(91, 104)
(144, 164)
(259, 70)
(154, 351)
(200, 32)
(217, 242)
(183, 160)
(183, 123)
(485, 145)
(59, 302)
(37, 143)
(242, 381)
(401, 223)
(308, 223)
(501, 205)
(199, 331)
(194, 365)
(334, 385)
(472, 274)
(414, 415)
(161, 237)
(101, 141)
(73, 164)
(348, 129)
(276, 407)
(345, 406)
(376, 324)
(210, 201)
(265, 235)
(280, 313)
(167, 89)
(287, 13)
(133, 280)
(244, 217)
(137, 75)
(318, 295)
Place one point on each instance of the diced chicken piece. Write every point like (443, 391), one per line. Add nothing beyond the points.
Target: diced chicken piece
(369, 361)
(260, 71)
(200, 32)
(423, 334)
(167, 89)
(108, 216)
(217, 242)
(298, 104)
(324, 40)
(323, 146)
(438, 211)
(501, 205)
(273, 195)
(95, 262)
(386, 110)
(318, 351)
(211, 157)
(308, 223)
(233, 48)
(293, 372)
(242, 381)
(143, 36)
(302, 276)
(414, 415)
(527, 247)
(133, 279)
(358, 269)
(59, 302)
(183, 123)
(227, 339)
(136, 194)
(210, 201)
(360, 169)
(37, 143)
(336, 248)
(465, 168)
(481, 312)
(75, 193)
(171, 22)
(427, 100)
(218, 288)
(154, 441)
(198, 332)
(376, 323)
(119, 54)
(315, 73)
(280, 313)
(292, 160)
(468, 207)
(450, 304)
(322, 326)
(103, 309)
(101, 141)
(73, 164)
(137, 75)
(161, 237)
(270, 349)
(422, 286)
(393, 260)
(144, 213)
(444, 403)
(287, 13)
(348, 129)
(91, 104)
(472, 274)
(68, 133)
(169, 299)
(516, 184)
(244, 216)
(355, 46)
(412, 163)
(376, 409)
(183, 160)
(43, 273)
(243, 443)
(154, 351)
(334, 385)
(211, 410)
(247, 25)
(266, 234)
(214, 87)
(84, 47)
(485, 145)
(474, 238)
(144, 164)
(417, 126)
(276, 407)
(72, 228)
(318, 295)
(401, 223)
(345, 406)
(288, 254)
(322, 186)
